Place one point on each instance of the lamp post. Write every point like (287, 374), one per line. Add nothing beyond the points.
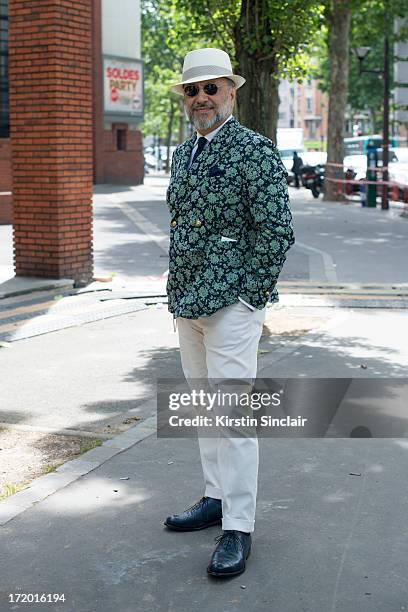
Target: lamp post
(361, 53)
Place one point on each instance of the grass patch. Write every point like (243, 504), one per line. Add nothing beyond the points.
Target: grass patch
(47, 469)
(29, 455)
(9, 489)
(87, 445)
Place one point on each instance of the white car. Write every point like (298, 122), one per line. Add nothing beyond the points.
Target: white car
(398, 168)
(314, 158)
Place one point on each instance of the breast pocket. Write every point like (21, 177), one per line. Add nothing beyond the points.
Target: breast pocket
(216, 171)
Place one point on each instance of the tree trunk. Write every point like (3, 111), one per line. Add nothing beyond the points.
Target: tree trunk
(377, 119)
(182, 123)
(338, 21)
(373, 120)
(258, 100)
(170, 131)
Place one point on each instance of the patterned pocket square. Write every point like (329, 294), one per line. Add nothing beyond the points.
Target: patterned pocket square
(215, 171)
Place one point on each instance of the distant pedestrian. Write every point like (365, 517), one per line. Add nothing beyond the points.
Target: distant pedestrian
(296, 168)
(231, 226)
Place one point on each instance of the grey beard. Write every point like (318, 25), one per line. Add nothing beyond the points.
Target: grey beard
(200, 123)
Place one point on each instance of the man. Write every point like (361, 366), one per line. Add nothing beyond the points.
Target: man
(296, 168)
(230, 228)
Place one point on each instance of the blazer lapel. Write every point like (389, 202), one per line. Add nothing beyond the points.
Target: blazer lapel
(185, 161)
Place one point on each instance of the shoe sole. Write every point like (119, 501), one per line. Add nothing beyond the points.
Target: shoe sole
(173, 528)
(228, 574)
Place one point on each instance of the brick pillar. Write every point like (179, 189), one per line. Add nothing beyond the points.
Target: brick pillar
(50, 74)
(6, 208)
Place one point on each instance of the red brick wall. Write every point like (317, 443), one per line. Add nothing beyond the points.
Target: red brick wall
(50, 75)
(6, 211)
(5, 164)
(126, 167)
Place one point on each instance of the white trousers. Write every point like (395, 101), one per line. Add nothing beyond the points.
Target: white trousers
(225, 346)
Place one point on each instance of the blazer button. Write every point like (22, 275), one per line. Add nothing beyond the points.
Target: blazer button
(173, 224)
(198, 223)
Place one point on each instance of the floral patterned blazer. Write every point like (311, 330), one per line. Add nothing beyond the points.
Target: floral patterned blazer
(230, 224)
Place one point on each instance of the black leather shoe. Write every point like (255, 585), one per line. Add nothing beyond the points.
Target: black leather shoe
(229, 557)
(206, 512)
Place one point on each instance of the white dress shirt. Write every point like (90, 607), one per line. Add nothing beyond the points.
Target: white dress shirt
(209, 137)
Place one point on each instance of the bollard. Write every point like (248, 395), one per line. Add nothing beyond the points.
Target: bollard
(372, 163)
(363, 194)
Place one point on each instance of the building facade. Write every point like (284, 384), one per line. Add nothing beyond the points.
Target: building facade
(401, 80)
(5, 151)
(304, 106)
(117, 97)
(118, 92)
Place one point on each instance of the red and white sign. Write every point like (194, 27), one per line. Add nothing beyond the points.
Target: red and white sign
(123, 87)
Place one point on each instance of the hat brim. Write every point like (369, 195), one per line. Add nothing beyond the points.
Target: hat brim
(238, 80)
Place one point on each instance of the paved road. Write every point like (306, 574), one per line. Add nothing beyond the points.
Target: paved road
(347, 243)
(333, 241)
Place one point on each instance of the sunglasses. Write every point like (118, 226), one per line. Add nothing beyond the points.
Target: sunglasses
(192, 90)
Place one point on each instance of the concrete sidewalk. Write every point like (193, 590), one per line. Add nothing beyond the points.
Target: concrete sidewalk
(328, 538)
(330, 532)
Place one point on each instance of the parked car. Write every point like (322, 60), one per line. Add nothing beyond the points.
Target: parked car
(150, 162)
(398, 170)
(314, 158)
(358, 163)
(156, 156)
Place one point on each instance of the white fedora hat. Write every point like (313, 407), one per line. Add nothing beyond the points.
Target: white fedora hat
(204, 65)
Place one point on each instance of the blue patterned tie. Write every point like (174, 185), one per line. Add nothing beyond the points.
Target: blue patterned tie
(202, 141)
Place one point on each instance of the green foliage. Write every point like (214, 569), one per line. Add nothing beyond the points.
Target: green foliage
(159, 61)
(281, 30)
(267, 29)
(166, 38)
(370, 20)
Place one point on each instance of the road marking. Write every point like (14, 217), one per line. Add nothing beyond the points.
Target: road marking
(329, 267)
(162, 240)
(151, 230)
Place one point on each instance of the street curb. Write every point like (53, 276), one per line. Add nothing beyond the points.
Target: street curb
(69, 472)
(21, 285)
